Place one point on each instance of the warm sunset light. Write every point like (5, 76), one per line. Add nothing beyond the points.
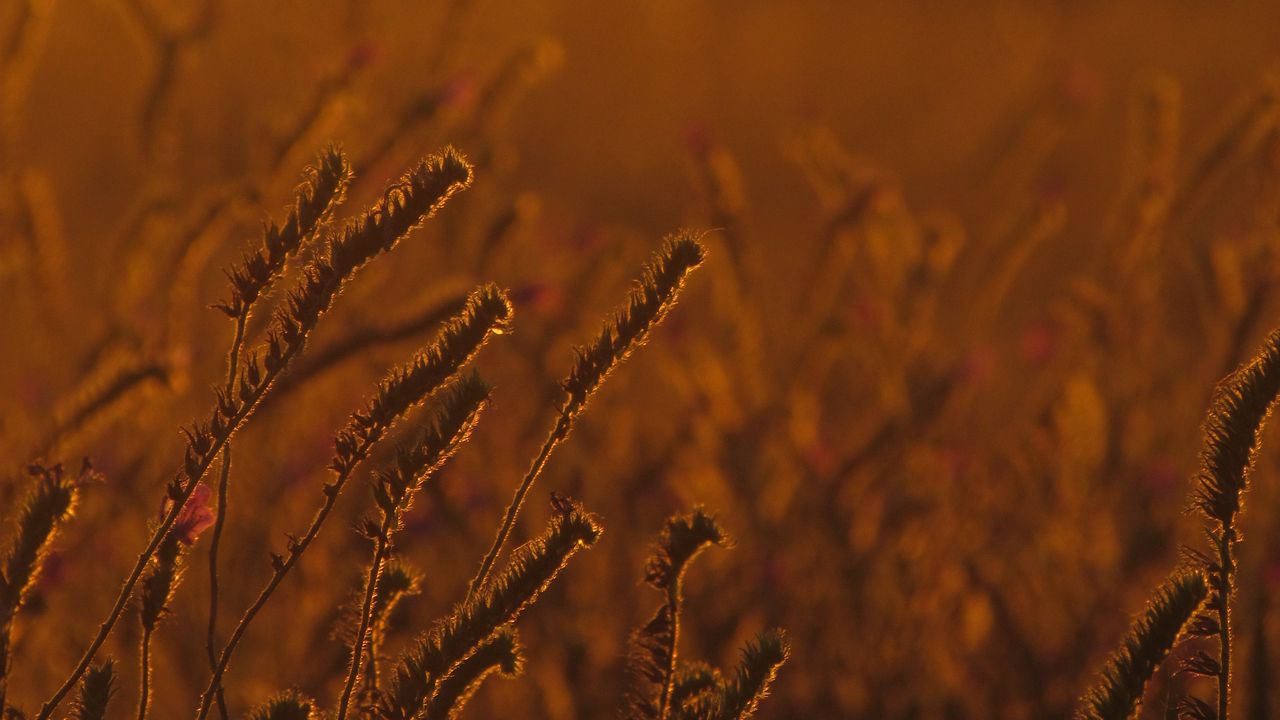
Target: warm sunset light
(657, 360)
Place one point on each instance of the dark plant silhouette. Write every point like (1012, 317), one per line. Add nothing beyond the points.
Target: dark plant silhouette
(969, 281)
(436, 677)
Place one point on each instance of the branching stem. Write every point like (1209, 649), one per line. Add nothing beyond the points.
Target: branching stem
(366, 611)
(557, 436)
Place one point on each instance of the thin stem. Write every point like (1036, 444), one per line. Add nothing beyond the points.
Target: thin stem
(6, 627)
(669, 672)
(202, 467)
(233, 362)
(405, 206)
(220, 520)
(557, 436)
(429, 371)
(1225, 581)
(628, 328)
(370, 678)
(282, 568)
(144, 692)
(366, 612)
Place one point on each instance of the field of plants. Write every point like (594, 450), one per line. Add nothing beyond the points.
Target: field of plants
(381, 360)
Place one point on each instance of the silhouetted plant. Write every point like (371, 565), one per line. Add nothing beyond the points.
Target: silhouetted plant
(394, 490)
(647, 304)
(315, 200)
(441, 671)
(1232, 432)
(96, 688)
(739, 698)
(163, 577)
(405, 205)
(487, 312)
(456, 344)
(437, 657)
(654, 647)
(396, 581)
(1118, 694)
(661, 688)
(946, 434)
(49, 503)
(286, 706)
(1200, 604)
(499, 653)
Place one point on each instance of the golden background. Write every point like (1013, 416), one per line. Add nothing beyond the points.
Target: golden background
(975, 270)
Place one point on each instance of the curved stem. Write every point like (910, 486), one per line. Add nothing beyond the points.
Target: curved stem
(366, 613)
(5, 629)
(1225, 579)
(282, 568)
(669, 672)
(370, 679)
(220, 442)
(233, 363)
(220, 520)
(557, 436)
(144, 691)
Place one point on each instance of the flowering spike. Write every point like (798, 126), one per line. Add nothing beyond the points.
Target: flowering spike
(1118, 693)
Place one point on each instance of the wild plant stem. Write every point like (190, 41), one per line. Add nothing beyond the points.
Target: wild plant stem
(366, 612)
(6, 627)
(219, 521)
(370, 678)
(673, 607)
(557, 436)
(144, 671)
(296, 549)
(121, 600)
(126, 591)
(1225, 579)
(233, 363)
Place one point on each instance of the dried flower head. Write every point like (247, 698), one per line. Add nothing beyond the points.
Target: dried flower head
(96, 690)
(286, 706)
(1118, 693)
(1241, 404)
(738, 699)
(499, 653)
(649, 302)
(320, 193)
(196, 515)
(652, 662)
(49, 503)
(487, 312)
(532, 568)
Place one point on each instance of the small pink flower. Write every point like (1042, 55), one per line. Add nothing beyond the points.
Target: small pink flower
(1271, 575)
(1038, 343)
(820, 457)
(461, 93)
(775, 572)
(31, 391)
(53, 570)
(584, 238)
(697, 138)
(1161, 477)
(540, 297)
(196, 516)
(362, 55)
(978, 365)
(865, 313)
(1077, 85)
(954, 461)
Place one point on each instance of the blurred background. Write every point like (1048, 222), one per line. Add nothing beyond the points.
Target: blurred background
(975, 270)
